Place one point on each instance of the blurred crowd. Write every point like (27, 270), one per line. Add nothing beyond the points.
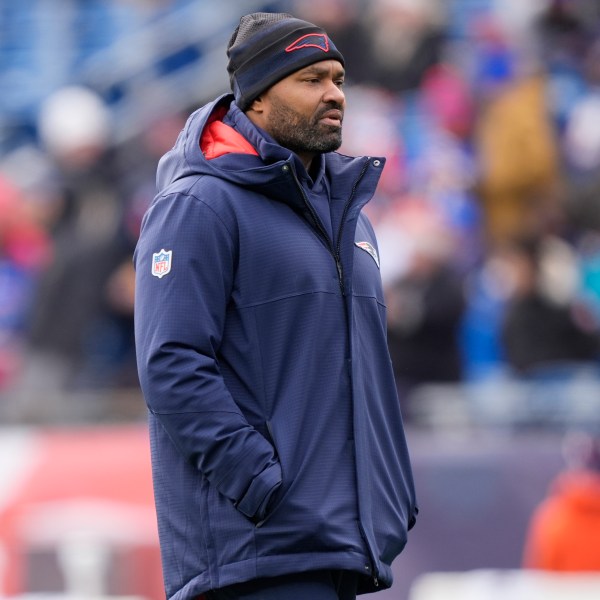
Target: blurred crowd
(488, 213)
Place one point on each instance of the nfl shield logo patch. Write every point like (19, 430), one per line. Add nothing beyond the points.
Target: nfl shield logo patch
(161, 263)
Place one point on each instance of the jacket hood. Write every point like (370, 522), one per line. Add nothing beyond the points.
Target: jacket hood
(218, 139)
(186, 158)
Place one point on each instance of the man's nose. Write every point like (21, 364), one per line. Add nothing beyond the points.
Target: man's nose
(334, 93)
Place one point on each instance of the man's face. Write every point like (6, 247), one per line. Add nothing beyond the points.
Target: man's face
(304, 111)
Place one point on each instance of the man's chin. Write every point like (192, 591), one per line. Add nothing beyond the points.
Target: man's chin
(335, 142)
(331, 137)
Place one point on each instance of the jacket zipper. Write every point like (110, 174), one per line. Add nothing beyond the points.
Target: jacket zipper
(335, 252)
(374, 570)
(320, 229)
(347, 205)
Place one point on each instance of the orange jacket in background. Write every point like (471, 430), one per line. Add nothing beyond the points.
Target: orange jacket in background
(564, 534)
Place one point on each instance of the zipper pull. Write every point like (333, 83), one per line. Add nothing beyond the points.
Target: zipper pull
(340, 275)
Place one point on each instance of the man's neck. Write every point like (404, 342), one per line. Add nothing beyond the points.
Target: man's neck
(307, 159)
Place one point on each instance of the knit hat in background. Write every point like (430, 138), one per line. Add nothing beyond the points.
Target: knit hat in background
(266, 47)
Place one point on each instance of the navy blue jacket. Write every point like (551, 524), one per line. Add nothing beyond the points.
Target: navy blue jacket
(276, 436)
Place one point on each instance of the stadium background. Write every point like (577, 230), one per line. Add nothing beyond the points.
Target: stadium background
(489, 226)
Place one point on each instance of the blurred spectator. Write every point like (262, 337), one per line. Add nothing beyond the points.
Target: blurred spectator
(405, 40)
(77, 338)
(545, 323)
(441, 168)
(481, 347)
(519, 159)
(564, 531)
(387, 43)
(581, 147)
(588, 249)
(25, 250)
(448, 99)
(425, 307)
(564, 30)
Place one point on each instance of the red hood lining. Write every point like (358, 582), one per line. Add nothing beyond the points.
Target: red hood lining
(218, 138)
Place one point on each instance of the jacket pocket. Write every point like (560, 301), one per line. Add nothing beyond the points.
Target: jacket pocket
(278, 496)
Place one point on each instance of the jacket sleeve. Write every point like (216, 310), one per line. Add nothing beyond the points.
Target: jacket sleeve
(179, 321)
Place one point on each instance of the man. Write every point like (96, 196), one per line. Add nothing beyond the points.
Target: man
(279, 459)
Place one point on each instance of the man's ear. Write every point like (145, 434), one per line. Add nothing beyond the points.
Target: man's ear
(258, 105)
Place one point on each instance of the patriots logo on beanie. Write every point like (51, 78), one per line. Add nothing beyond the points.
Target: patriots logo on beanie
(314, 40)
(267, 47)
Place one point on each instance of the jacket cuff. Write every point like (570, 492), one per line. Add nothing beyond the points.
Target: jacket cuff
(413, 518)
(254, 502)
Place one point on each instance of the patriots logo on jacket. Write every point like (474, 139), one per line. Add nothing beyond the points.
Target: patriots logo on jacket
(310, 40)
(369, 249)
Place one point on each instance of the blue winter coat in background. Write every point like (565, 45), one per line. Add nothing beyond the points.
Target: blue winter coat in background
(276, 436)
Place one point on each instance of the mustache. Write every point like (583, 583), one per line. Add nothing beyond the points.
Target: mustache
(329, 107)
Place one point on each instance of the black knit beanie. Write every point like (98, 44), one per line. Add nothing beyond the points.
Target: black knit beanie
(266, 47)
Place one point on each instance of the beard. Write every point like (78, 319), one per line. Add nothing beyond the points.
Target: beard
(302, 134)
